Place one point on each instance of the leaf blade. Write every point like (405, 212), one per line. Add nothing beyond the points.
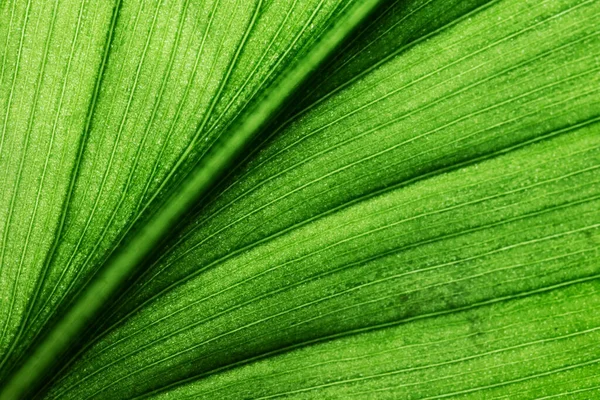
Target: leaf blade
(288, 76)
(240, 293)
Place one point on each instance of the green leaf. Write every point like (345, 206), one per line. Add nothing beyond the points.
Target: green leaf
(232, 199)
(166, 96)
(538, 347)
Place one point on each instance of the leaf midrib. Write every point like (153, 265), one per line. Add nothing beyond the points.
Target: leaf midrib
(81, 310)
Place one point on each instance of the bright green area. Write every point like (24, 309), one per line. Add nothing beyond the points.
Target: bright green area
(256, 199)
(542, 346)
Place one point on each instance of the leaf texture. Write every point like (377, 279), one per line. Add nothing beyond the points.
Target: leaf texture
(421, 221)
(52, 56)
(173, 78)
(541, 346)
(460, 171)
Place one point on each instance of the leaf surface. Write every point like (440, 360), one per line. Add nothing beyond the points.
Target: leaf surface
(422, 221)
(163, 92)
(458, 172)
